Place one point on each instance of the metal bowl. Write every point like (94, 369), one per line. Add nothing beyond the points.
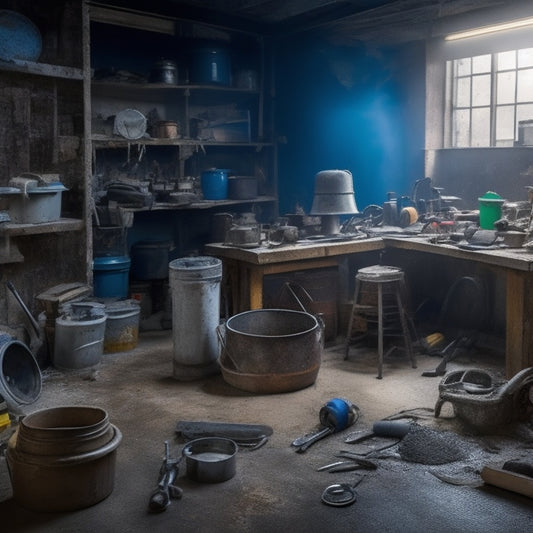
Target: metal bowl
(210, 459)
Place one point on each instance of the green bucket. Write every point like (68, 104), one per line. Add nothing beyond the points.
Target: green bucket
(490, 209)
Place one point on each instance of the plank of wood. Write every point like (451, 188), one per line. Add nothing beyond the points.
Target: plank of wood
(505, 479)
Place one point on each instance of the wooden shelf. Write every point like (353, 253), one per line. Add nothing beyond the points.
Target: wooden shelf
(104, 141)
(58, 226)
(122, 86)
(203, 204)
(9, 252)
(42, 69)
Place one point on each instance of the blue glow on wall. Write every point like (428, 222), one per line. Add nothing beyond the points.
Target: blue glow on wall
(349, 109)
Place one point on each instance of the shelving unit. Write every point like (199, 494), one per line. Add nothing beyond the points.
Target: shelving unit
(42, 130)
(248, 149)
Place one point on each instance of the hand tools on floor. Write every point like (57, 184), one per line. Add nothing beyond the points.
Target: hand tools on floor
(337, 414)
(381, 428)
(340, 494)
(160, 498)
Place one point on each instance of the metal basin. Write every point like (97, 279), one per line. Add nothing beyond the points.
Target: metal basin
(271, 350)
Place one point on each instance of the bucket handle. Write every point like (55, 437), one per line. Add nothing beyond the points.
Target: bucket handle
(289, 287)
(220, 329)
(319, 316)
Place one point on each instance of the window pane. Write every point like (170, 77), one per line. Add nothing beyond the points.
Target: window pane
(506, 60)
(481, 64)
(461, 128)
(481, 126)
(462, 98)
(525, 57)
(524, 112)
(505, 129)
(462, 66)
(505, 92)
(481, 90)
(525, 86)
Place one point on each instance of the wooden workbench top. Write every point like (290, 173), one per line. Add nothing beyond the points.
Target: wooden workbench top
(513, 258)
(263, 255)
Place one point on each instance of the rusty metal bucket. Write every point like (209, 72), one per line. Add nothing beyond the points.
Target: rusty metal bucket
(271, 350)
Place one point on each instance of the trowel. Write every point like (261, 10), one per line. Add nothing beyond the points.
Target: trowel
(38, 345)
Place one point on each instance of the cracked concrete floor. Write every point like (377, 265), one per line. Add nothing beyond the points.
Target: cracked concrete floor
(275, 488)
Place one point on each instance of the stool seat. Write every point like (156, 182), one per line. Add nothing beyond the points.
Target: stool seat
(380, 273)
(390, 308)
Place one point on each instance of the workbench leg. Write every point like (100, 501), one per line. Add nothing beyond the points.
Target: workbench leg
(519, 323)
(256, 288)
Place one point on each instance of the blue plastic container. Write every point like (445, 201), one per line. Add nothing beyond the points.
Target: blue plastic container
(215, 184)
(19, 37)
(111, 277)
(211, 64)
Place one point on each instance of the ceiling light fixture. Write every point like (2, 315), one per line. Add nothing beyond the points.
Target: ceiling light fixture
(514, 24)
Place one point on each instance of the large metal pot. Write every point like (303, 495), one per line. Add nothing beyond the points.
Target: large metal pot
(271, 350)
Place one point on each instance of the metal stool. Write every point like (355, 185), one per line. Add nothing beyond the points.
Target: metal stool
(389, 311)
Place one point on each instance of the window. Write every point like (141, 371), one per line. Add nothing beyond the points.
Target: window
(490, 95)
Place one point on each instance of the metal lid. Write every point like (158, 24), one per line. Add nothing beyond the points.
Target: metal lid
(130, 123)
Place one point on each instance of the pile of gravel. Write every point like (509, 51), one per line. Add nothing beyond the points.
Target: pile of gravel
(430, 447)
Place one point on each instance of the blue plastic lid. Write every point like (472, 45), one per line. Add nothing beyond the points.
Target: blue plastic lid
(111, 263)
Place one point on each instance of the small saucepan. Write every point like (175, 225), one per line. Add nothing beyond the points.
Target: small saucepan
(210, 459)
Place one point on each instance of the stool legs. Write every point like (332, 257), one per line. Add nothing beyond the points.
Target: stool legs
(352, 316)
(405, 331)
(399, 288)
(380, 331)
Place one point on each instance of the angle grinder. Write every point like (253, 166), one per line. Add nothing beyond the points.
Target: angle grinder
(337, 414)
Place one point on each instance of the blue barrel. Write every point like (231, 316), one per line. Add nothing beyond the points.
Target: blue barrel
(111, 277)
(215, 184)
(211, 64)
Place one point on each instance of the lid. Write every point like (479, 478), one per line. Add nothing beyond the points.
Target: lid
(110, 263)
(152, 244)
(491, 196)
(47, 189)
(122, 306)
(165, 63)
(130, 123)
(9, 190)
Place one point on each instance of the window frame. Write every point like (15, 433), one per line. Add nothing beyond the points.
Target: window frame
(438, 89)
(455, 77)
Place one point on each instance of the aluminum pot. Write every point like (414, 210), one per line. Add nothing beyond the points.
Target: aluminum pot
(164, 71)
(210, 459)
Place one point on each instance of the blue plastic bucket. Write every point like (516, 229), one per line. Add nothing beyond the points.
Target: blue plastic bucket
(215, 184)
(111, 277)
(211, 64)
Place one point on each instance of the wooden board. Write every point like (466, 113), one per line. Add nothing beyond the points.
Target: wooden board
(508, 480)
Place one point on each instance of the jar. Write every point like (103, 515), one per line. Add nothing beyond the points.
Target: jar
(164, 71)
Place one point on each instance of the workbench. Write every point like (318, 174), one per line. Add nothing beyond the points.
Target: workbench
(245, 268)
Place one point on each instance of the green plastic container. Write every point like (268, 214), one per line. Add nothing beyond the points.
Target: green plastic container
(490, 209)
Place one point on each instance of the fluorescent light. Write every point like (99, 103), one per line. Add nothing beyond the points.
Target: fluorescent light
(490, 29)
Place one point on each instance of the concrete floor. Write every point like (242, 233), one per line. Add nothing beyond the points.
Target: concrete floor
(275, 488)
